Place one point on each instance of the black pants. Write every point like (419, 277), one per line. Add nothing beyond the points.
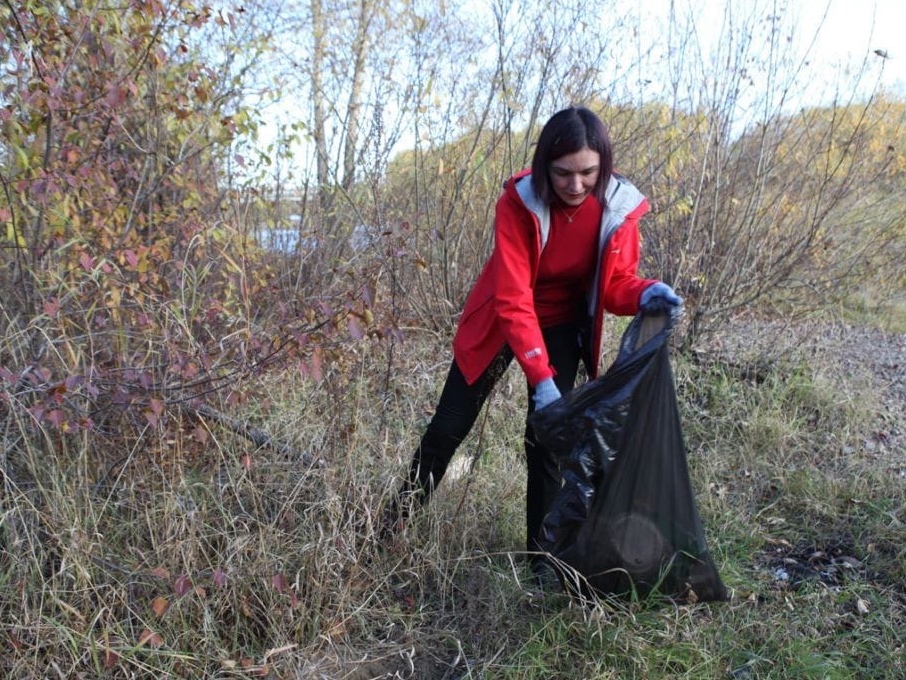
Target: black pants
(457, 411)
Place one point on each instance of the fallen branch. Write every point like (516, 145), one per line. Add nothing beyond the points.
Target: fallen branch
(255, 435)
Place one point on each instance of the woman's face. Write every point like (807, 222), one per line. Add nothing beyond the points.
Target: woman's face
(574, 175)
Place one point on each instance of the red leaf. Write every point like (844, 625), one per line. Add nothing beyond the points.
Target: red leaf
(55, 417)
(157, 406)
(317, 365)
(86, 261)
(74, 381)
(200, 435)
(220, 577)
(116, 95)
(150, 638)
(52, 307)
(110, 658)
(279, 582)
(160, 572)
(369, 293)
(182, 585)
(15, 641)
(356, 330)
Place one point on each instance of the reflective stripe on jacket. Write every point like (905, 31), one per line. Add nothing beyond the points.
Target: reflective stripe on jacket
(500, 308)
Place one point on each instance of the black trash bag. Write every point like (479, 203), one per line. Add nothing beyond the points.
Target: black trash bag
(625, 517)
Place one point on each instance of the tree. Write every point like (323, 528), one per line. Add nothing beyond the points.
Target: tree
(754, 191)
(124, 290)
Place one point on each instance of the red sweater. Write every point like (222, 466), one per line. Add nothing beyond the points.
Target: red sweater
(501, 309)
(567, 264)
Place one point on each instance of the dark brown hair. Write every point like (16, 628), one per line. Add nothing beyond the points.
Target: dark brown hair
(566, 132)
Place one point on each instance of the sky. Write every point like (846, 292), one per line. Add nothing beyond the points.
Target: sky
(845, 32)
(841, 37)
(854, 28)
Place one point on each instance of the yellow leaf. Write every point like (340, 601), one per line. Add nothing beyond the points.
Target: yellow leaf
(13, 234)
(23, 158)
(159, 606)
(114, 297)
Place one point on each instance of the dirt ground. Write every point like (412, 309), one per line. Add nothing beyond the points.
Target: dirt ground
(859, 359)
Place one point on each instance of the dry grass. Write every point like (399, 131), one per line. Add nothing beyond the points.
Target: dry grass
(230, 561)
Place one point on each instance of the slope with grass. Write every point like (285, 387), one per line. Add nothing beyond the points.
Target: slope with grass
(228, 560)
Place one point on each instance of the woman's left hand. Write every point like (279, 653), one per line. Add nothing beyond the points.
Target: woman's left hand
(659, 297)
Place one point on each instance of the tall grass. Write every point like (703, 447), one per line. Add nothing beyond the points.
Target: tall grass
(202, 556)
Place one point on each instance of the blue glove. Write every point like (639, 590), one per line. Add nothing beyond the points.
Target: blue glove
(546, 393)
(659, 297)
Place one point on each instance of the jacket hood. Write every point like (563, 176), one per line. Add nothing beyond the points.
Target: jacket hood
(622, 198)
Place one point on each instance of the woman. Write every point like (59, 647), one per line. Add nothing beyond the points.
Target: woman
(566, 250)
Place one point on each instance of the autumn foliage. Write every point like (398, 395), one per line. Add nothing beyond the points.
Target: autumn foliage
(128, 289)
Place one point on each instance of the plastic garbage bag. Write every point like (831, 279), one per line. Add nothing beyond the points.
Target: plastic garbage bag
(625, 518)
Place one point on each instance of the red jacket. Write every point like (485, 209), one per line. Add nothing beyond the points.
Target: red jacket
(500, 308)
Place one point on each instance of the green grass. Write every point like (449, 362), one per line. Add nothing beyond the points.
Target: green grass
(223, 560)
(879, 307)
